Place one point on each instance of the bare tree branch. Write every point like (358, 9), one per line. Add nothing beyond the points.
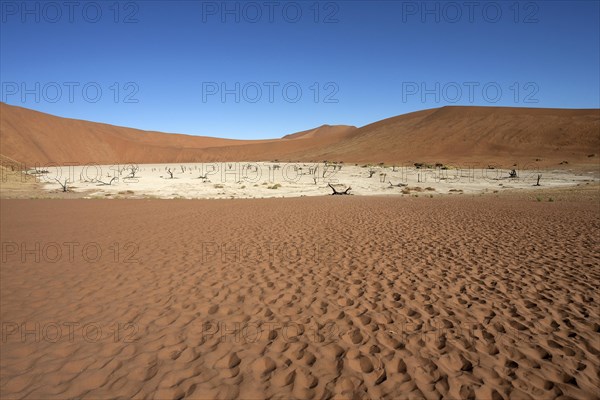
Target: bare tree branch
(62, 185)
(106, 184)
(337, 192)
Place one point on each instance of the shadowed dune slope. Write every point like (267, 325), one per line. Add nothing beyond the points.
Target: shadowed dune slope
(448, 134)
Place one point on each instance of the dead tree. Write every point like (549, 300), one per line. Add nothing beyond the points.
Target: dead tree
(204, 178)
(382, 177)
(63, 185)
(538, 180)
(133, 169)
(106, 184)
(170, 173)
(338, 192)
(371, 173)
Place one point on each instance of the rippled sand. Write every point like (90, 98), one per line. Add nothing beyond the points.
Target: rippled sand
(338, 296)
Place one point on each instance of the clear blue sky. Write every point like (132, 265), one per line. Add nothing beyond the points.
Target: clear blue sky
(369, 60)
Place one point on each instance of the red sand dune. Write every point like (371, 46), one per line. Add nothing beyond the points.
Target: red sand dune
(448, 134)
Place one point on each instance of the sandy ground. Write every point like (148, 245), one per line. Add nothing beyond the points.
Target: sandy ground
(265, 180)
(489, 296)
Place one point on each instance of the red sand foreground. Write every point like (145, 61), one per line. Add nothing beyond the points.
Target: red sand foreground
(345, 297)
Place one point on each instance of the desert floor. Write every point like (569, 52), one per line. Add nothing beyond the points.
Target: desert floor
(492, 296)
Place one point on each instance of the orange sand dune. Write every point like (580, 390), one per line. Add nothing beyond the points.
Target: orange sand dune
(478, 134)
(33, 137)
(448, 134)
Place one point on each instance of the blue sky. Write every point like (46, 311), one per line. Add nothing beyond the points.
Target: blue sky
(264, 69)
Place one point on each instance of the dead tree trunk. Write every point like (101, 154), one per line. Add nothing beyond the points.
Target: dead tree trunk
(337, 192)
(538, 180)
(63, 186)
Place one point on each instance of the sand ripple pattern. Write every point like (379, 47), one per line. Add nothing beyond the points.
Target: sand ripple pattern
(491, 298)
